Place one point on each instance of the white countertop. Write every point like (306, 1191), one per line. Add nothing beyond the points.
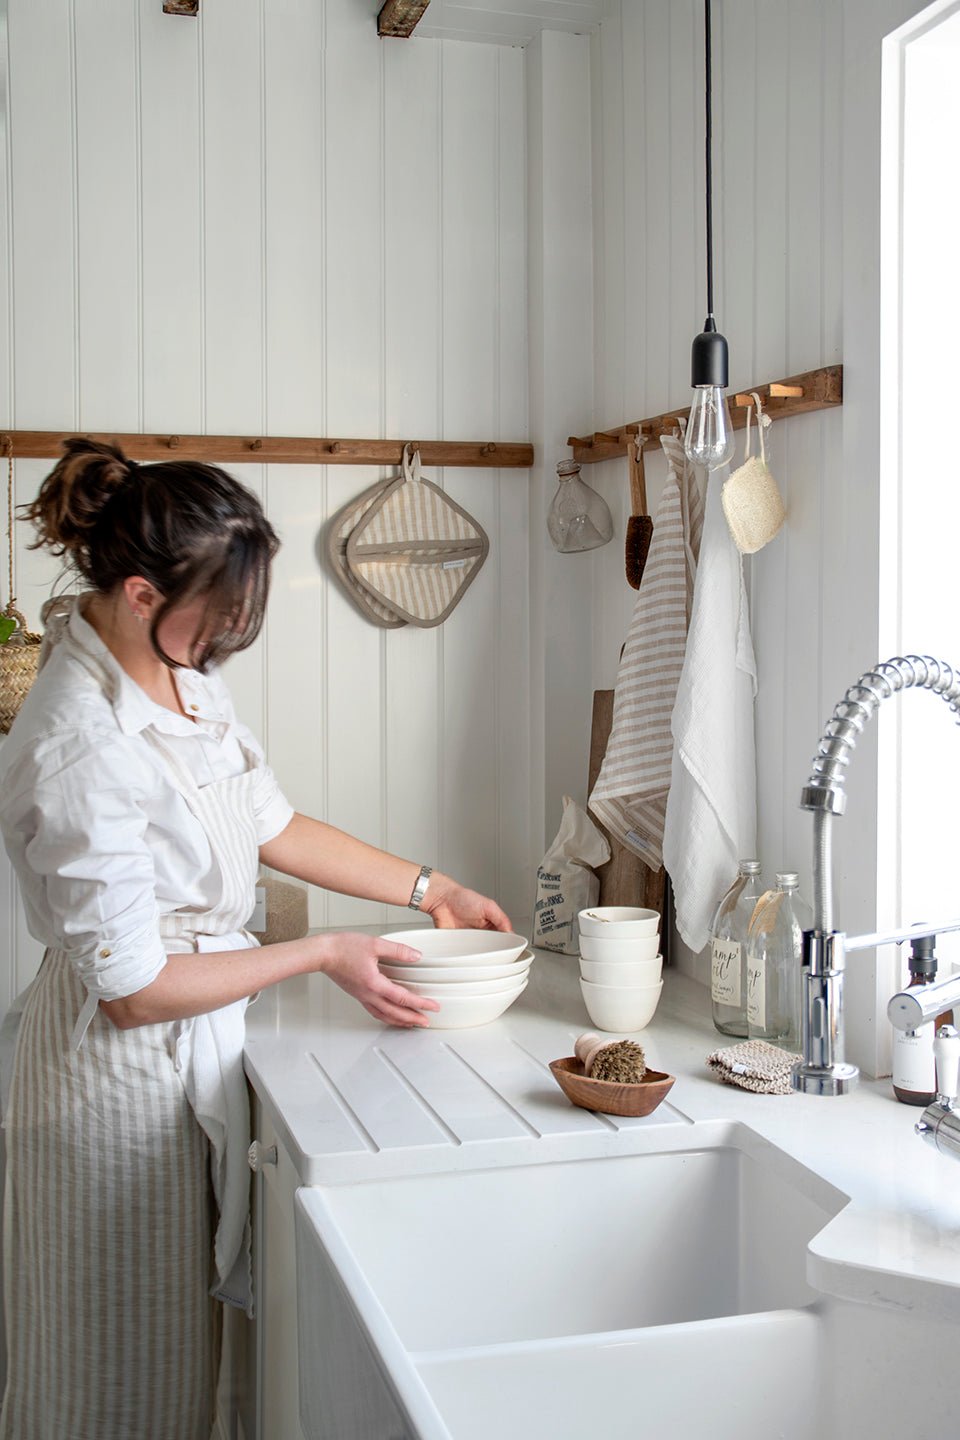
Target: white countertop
(352, 1100)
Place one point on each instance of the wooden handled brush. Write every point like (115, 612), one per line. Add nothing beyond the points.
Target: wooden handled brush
(639, 525)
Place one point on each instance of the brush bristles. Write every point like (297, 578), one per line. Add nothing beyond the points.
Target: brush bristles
(637, 547)
(622, 1061)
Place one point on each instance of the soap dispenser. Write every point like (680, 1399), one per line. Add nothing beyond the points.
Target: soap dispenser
(914, 1067)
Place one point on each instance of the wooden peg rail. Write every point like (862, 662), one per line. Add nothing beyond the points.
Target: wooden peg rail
(276, 449)
(797, 395)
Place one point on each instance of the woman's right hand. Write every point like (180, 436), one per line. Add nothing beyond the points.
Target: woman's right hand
(350, 960)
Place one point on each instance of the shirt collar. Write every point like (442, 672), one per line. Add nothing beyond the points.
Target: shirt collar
(132, 705)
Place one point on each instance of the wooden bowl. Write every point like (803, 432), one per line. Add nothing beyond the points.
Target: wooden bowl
(610, 1097)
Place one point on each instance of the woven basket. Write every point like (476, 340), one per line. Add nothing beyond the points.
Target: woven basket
(19, 659)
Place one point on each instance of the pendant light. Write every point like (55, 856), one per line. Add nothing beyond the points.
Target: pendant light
(709, 436)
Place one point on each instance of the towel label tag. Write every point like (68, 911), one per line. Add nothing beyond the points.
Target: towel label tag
(725, 963)
(452, 564)
(642, 847)
(756, 992)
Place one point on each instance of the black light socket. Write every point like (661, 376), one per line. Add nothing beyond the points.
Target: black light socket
(709, 357)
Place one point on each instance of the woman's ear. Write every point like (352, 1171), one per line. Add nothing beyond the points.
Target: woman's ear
(140, 596)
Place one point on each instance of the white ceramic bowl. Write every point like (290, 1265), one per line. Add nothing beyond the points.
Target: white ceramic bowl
(619, 973)
(441, 990)
(620, 1009)
(619, 922)
(460, 947)
(460, 1012)
(516, 970)
(612, 947)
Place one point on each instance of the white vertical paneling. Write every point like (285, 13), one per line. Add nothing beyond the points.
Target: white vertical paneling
(514, 882)
(44, 215)
(108, 218)
(256, 221)
(295, 636)
(233, 216)
(685, 190)
(652, 315)
(171, 203)
(413, 365)
(470, 699)
(353, 374)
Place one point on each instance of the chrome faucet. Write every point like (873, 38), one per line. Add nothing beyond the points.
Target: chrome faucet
(823, 1070)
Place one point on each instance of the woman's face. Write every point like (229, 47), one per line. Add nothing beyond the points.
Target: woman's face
(184, 633)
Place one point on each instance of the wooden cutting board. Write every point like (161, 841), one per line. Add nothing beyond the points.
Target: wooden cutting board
(625, 879)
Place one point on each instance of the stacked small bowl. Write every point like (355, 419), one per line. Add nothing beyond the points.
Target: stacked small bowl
(474, 975)
(620, 966)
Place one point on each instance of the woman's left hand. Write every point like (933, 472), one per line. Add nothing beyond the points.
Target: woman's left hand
(454, 907)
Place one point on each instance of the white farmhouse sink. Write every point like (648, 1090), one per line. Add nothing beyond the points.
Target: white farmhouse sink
(616, 1296)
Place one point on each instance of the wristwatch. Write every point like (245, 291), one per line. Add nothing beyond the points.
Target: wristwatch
(420, 889)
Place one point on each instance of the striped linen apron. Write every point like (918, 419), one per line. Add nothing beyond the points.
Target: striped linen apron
(127, 1185)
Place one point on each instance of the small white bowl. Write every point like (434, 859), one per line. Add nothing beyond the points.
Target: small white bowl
(460, 947)
(634, 974)
(460, 1012)
(619, 922)
(603, 947)
(620, 1010)
(517, 969)
(441, 990)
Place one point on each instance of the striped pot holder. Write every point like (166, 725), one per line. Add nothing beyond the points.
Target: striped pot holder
(338, 533)
(415, 551)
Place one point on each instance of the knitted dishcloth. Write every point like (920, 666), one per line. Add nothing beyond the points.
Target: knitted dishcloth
(754, 1065)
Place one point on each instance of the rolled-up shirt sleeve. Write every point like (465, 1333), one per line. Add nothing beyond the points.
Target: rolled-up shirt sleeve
(74, 826)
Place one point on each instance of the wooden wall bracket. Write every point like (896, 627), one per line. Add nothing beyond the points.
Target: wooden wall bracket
(399, 18)
(277, 449)
(796, 395)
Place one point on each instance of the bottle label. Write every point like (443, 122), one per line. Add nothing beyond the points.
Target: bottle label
(913, 1063)
(756, 992)
(725, 972)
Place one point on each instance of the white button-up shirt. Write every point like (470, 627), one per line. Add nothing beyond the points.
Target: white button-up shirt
(102, 841)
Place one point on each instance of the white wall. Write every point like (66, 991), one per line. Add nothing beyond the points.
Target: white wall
(271, 220)
(797, 205)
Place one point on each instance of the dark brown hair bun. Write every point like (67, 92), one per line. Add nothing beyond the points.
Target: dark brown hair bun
(191, 530)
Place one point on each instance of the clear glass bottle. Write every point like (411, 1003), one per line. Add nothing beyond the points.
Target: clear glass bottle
(728, 961)
(578, 518)
(774, 960)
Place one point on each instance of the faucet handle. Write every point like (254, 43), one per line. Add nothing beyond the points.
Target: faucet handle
(946, 1054)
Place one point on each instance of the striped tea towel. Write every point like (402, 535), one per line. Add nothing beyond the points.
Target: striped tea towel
(630, 795)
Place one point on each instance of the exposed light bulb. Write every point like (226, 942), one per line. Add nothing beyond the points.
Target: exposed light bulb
(709, 436)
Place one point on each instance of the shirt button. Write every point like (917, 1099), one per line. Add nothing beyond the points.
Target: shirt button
(193, 707)
(105, 953)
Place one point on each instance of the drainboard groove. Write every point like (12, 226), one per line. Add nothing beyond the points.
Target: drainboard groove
(415, 1094)
(519, 1115)
(347, 1109)
(540, 1064)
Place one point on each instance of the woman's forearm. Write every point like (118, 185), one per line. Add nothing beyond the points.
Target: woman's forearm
(322, 855)
(194, 984)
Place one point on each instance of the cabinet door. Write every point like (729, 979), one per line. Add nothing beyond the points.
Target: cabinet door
(277, 1388)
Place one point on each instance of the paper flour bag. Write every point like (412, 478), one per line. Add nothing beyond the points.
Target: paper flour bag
(566, 883)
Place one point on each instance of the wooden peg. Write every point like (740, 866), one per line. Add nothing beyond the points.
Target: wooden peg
(173, 442)
(256, 444)
(580, 442)
(488, 449)
(786, 392)
(335, 448)
(743, 402)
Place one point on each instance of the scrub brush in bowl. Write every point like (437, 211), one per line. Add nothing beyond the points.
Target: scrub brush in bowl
(620, 1060)
(610, 1076)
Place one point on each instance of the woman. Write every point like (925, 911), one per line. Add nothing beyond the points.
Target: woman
(136, 811)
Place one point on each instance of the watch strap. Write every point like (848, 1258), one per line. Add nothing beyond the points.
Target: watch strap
(420, 888)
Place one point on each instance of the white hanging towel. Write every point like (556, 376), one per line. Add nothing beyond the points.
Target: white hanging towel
(630, 794)
(711, 818)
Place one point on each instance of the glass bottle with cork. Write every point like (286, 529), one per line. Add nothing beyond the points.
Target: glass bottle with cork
(914, 1068)
(774, 960)
(728, 962)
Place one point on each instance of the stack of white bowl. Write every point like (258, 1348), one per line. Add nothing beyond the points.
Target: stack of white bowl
(474, 975)
(620, 966)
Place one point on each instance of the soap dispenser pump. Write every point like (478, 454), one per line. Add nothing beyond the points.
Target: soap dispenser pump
(914, 1067)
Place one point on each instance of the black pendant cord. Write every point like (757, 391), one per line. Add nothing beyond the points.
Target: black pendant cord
(708, 51)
